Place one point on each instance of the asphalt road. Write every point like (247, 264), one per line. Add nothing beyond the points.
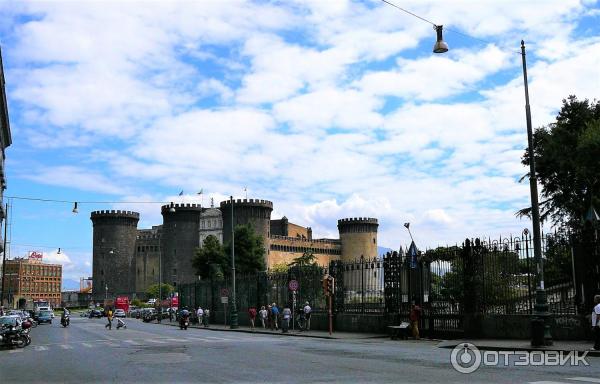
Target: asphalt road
(87, 352)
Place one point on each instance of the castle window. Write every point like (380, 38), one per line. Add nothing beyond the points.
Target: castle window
(209, 222)
(374, 241)
(102, 272)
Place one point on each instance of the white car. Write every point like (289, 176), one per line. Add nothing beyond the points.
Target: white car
(119, 313)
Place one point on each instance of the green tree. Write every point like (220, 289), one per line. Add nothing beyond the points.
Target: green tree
(153, 290)
(307, 259)
(210, 261)
(567, 167)
(249, 250)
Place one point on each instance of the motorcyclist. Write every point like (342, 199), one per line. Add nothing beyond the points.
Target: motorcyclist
(184, 316)
(64, 319)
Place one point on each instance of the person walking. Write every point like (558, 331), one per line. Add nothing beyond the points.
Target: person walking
(269, 315)
(415, 317)
(596, 322)
(307, 311)
(263, 316)
(252, 316)
(285, 323)
(109, 316)
(199, 315)
(206, 317)
(274, 317)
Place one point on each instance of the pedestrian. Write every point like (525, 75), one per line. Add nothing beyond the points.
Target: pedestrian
(206, 317)
(307, 311)
(269, 315)
(414, 317)
(274, 317)
(285, 323)
(596, 322)
(109, 316)
(263, 315)
(199, 314)
(252, 316)
(171, 314)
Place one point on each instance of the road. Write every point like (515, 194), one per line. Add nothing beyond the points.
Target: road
(87, 352)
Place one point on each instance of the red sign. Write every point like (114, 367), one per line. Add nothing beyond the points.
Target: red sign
(293, 285)
(35, 255)
(224, 292)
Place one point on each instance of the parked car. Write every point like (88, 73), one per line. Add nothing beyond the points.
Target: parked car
(134, 312)
(44, 317)
(95, 313)
(10, 320)
(119, 313)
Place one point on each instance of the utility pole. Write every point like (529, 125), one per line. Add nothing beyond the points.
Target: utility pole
(234, 314)
(4, 256)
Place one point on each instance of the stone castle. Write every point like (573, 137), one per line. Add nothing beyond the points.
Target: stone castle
(126, 259)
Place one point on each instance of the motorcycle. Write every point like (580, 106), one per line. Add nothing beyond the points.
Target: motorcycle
(64, 321)
(13, 336)
(184, 321)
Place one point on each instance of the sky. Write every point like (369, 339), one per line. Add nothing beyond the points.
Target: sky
(330, 109)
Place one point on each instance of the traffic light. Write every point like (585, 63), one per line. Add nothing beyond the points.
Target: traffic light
(325, 283)
(330, 285)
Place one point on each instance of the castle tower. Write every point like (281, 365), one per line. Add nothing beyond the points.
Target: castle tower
(179, 241)
(358, 237)
(113, 253)
(254, 211)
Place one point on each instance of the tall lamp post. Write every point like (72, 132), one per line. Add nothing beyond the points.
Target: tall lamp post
(4, 256)
(234, 314)
(540, 329)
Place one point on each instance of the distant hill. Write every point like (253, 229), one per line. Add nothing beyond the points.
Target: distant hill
(70, 285)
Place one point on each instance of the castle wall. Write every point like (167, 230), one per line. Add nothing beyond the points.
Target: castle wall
(358, 237)
(147, 259)
(283, 250)
(114, 261)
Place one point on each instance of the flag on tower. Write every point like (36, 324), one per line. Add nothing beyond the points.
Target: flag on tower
(181, 193)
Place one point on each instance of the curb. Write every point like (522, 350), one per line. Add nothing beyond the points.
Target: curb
(527, 349)
(258, 332)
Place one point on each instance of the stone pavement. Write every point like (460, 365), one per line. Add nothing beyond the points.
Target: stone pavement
(293, 333)
(523, 345)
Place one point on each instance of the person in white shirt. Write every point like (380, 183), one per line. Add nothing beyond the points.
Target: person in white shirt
(199, 313)
(596, 322)
(263, 315)
(307, 311)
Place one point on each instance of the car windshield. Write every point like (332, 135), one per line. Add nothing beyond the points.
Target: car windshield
(8, 320)
(45, 313)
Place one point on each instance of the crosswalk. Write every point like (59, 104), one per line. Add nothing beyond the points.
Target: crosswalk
(125, 343)
(569, 380)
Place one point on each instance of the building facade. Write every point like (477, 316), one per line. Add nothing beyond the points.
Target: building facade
(29, 279)
(167, 250)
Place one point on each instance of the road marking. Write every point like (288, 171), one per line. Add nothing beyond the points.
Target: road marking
(16, 350)
(217, 338)
(547, 382)
(87, 345)
(40, 348)
(586, 379)
(155, 341)
(65, 346)
(131, 342)
(175, 340)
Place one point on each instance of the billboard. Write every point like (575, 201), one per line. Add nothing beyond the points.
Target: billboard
(35, 256)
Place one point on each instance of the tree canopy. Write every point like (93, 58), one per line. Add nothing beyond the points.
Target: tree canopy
(210, 260)
(153, 291)
(307, 259)
(249, 250)
(567, 154)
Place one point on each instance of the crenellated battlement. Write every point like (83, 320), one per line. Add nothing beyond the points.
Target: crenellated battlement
(248, 202)
(181, 207)
(115, 214)
(357, 220)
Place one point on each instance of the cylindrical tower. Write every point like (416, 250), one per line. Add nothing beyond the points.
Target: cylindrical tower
(180, 238)
(254, 211)
(358, 237)
(113, 255)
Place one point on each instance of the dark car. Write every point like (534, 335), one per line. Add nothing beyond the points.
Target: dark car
(95, 313)
(44, 317)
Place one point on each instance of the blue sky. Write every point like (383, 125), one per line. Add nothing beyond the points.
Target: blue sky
(330, 109)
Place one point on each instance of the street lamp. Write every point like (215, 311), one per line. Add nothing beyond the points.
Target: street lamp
(106, 292)
(540, 329)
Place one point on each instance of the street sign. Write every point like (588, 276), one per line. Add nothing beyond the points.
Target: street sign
(224, 292)
(224, 300)
(293, 285)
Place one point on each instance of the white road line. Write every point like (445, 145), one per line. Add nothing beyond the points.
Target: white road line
(155, 341)
(585, 379)
(131, 342)
(87, 345)
(175, 340)
(16, 350)
(65, 346)
(40, 348)
(547, 382)
(216, 338)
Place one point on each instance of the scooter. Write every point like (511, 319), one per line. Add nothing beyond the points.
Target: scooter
(65, 321)
(184, 322)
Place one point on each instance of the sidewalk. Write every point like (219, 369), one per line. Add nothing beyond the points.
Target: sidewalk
(292, 333)
(523, 345)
